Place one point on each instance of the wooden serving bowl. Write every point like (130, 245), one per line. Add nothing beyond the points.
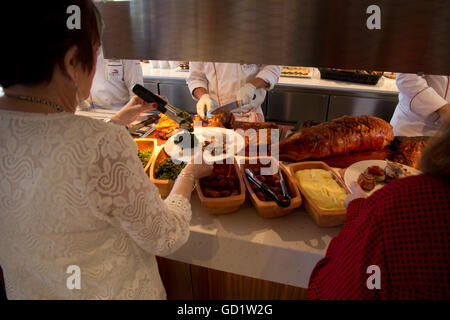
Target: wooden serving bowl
(270, 209)
(164, 186)
(223, 205)
(323, 218)
(145, 144)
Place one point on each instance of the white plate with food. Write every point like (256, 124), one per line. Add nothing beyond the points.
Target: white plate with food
(215, 144)
(372, 175)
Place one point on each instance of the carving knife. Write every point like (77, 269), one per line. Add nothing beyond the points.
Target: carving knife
(230, 106)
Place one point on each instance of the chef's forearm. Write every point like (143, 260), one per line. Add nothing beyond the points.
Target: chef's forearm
(198, 92)
(259, 83)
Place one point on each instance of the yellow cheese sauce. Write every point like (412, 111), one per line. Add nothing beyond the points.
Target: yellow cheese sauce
(320, 186)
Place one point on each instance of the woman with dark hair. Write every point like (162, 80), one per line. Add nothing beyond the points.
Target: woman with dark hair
(394, 244)
(79, 218)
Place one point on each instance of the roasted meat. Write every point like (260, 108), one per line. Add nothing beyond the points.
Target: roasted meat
(408, 150)
(337, 137)
(394, 171)
(376, 172)
(252, 137)
(224, 119)
(367, 181)
(165, 127)
(222, 182)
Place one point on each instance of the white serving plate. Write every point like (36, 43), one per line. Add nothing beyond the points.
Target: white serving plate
(203, 134)
(352, 173)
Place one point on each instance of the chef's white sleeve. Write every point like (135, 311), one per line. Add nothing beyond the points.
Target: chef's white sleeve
(132, 74)
(270, 74)
(423, 99)
(197, 77)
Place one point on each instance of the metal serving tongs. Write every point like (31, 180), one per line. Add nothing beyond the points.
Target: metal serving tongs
(180, 117)
(283, 186)
(281, 203)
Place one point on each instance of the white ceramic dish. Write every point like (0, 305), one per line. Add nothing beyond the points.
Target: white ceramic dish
(352, 173)
(204, 134)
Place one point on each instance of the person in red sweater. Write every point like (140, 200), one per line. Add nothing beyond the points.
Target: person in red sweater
(395, 243)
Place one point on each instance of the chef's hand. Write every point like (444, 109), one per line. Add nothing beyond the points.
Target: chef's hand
(204, 103)
(356, 193)
(246, 93)
(131, 111)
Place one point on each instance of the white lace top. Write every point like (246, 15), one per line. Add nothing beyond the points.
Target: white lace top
(73, 192)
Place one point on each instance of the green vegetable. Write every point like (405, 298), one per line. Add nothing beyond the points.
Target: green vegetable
(144, 156)
(167, 170)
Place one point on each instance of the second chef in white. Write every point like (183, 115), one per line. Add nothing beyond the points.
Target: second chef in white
(423, 104)
(217, 84)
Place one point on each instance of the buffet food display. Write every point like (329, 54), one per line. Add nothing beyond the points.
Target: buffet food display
(323, 192)
(352, 143)
(165, 127)
(322, 188)
(168, 170)
(146, 151)
(342, 136)
(223, 191)
(145, 156)
(266, 206)
(163, 172)
(408, 150)
(371, 175)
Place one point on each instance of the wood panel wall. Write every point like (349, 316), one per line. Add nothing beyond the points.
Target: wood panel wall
(186, 281)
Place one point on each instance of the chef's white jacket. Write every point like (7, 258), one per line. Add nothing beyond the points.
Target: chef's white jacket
(419, 99)
(223, 80)
(113, 81)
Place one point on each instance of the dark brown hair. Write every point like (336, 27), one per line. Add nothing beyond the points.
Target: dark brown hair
(435, 159)
(35, 38)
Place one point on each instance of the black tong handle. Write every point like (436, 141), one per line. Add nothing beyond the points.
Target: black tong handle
(283, 185)
(259, 184)
(149, 97)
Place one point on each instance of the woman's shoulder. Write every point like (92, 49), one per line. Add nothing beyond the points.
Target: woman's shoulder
(412, 184)
(414, 191)
(417, 182)
(98, 128)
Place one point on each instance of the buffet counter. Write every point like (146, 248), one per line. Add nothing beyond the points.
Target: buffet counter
(282, 250)
(384, 85)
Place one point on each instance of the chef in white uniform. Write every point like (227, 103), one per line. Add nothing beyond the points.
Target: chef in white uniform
(113, 81)
(423, 104)
(217, 84)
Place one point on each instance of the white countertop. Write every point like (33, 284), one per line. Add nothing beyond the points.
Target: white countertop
(283, 250)
(384, 85)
